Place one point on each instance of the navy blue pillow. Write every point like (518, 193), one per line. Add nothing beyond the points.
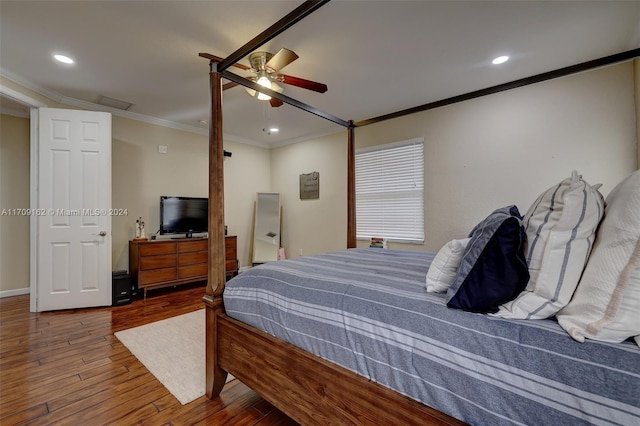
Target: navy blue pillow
(493, 269)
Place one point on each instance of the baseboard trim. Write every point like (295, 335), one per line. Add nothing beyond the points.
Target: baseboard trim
(16, 292)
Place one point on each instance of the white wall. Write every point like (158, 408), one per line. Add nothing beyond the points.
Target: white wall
(481, 154)
(313, 226)
(246, 173)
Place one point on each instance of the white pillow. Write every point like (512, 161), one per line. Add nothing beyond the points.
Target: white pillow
(444, 266)
(560, 226)
(606, 305)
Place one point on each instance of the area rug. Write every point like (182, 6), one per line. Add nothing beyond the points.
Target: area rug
(173, 350)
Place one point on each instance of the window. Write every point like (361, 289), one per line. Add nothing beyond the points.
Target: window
(390, 191)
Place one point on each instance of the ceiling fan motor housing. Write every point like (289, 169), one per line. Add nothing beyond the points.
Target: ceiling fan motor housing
(258, 60)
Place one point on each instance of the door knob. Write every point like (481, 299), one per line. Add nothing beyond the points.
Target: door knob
(103, 233)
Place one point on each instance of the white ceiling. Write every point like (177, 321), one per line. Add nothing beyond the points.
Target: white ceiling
(376, 57)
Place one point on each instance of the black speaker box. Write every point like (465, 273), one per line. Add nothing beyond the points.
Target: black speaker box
(121, 288)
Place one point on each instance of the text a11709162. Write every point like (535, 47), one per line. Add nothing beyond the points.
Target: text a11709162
(63, 212)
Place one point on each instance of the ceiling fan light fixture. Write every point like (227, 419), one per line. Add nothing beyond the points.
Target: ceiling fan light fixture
(264, 69)
(263, 80)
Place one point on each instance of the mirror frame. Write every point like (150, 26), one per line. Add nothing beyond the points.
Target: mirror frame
(266, 227)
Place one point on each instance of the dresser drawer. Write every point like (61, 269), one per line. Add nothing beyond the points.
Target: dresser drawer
(157, 276)
(192, 271)
(230, 265)
(162, 263)
(193, 258)
(152, 249)
(157, 262)
(230, 253)
(198, 245)
(230, 242)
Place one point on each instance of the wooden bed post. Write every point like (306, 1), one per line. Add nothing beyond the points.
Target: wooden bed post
(351, 187)
(215, 376)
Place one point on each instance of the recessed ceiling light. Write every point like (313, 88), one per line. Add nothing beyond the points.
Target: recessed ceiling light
(500, 60)
(274, 129)
(64, 59)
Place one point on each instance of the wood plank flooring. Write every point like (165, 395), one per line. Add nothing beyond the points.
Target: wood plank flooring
(68, 368)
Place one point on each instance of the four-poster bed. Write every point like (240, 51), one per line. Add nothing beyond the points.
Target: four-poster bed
(308, 388)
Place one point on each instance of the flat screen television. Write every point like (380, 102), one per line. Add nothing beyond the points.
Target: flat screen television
(183, 215)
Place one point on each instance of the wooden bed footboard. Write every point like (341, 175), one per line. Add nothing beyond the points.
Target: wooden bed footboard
(307, 388)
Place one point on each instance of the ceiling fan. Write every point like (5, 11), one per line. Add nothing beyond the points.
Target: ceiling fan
(265, 67)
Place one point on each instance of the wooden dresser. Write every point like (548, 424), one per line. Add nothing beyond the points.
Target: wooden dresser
(161, 263)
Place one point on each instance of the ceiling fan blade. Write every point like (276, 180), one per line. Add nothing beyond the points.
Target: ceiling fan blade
(275, 102)
(280, 60)
(301, 82)
(229, 85)
(215, 58)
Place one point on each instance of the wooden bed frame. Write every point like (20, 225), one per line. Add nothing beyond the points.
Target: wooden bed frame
(307, 388)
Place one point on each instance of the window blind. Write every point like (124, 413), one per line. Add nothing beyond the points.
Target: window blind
(390, 191)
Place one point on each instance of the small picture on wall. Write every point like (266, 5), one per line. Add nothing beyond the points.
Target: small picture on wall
(310, 186)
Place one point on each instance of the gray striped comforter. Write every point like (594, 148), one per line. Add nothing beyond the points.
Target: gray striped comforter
(368, 310)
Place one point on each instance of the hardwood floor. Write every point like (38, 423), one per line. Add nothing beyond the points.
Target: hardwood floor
(67, 367)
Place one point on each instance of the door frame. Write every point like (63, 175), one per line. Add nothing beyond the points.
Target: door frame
(33, 104)
(33, 203)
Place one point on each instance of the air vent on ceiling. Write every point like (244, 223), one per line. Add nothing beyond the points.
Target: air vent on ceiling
(114, 103)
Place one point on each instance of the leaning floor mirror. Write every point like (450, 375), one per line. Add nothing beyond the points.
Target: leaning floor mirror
(266, 228)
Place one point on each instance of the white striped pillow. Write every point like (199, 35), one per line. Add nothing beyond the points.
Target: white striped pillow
(560, 227)
(606, 305)
(444, 267)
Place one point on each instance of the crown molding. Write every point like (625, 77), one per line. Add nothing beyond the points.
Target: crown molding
(154, 120)
(77, 103)
(56, 97)
(14, 112)
(244, 141)
(306, 138)
(92, 106)
(20, 97)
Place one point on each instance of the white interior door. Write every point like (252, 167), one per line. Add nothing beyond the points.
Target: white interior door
(70, 216)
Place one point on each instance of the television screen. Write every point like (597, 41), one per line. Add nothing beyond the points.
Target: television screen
(179, 215)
